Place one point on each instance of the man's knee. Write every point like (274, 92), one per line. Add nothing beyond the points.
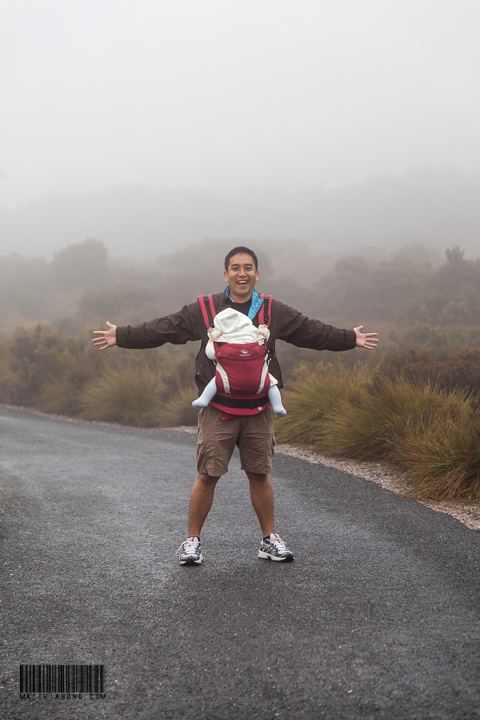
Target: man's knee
(257, 477)
(206, 479)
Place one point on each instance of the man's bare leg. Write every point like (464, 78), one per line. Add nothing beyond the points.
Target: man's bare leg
(261, 495)
(201, 499)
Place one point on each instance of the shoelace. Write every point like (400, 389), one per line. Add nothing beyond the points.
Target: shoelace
(189, 547)
(278, 542)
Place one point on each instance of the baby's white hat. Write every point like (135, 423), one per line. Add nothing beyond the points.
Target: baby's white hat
(231, 320)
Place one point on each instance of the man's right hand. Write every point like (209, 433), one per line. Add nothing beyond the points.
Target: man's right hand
(105, 338)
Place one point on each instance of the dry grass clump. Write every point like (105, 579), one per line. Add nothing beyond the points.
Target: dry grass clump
(311, 395)
(9, 382)
(128, 396)
(368, 423)
(178, 410)
(139, 396)
(442, 460)
(430, 432)
(62, 396)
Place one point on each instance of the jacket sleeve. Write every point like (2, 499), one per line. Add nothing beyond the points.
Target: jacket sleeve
(306, 332)
(177, 328)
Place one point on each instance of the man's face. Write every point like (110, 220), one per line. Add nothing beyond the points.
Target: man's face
(241, 277)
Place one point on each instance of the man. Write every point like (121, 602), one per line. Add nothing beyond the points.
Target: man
(218, 430)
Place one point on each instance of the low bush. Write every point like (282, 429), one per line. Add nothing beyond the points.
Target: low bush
(61, 374)
(128, 396)
(60, 396)
(437, 337)
(312, 394)
(178, 410)
(428, 431)
(441, 459)
(452, 370)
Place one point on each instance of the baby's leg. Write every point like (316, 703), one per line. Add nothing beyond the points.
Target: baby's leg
(207, 395)
(276, 401)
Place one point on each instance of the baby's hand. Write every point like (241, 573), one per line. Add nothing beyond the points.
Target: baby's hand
(214, 334)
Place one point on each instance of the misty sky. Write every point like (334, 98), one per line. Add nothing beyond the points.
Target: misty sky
(227, 94)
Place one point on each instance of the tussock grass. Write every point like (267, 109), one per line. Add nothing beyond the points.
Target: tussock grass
(359, 425)
(311, 395)
(442, 460)
(62, 396)
(9, 382)
(367, 424)
(128, 396)
(178, 410)
(428, 431)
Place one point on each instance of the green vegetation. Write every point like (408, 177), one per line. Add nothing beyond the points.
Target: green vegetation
(54, 373)
(130, 396)
(430, 432)
(417, 410)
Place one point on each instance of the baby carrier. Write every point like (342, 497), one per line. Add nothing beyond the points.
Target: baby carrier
(241, 377)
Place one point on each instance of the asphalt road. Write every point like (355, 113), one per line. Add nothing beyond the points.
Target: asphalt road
(378, 617)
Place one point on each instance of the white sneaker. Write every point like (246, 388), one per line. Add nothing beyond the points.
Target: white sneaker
(190, 551)
(274, 549)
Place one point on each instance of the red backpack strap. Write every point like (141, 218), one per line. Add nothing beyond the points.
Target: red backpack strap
(265, 310)
(208, 310)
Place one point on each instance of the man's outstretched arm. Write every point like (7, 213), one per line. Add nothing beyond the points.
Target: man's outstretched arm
(105, 338)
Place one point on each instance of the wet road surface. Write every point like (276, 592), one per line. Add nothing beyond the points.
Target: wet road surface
(377, 617)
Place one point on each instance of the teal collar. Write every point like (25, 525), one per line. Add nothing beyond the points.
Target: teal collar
(256, 303)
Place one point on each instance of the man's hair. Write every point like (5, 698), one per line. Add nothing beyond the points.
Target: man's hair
(241, 249)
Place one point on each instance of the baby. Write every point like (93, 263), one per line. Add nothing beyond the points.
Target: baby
(233, 327)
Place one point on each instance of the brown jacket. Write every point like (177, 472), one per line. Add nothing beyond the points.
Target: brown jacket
(188, 324)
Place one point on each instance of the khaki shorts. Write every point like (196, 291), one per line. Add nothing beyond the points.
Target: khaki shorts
(252, 434)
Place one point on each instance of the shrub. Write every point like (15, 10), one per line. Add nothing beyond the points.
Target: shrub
(39, 356)
(437, 337)
(128, 396)
(425, 429)
(8, 382)
(459, 370)
(312, 394)
(367, 424)
(178, 410)
(62, 396)
(442, 459)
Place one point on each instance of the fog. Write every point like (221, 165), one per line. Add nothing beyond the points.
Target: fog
(154, 124)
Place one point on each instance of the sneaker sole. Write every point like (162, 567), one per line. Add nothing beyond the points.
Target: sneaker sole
(192, 561)
(266, 556)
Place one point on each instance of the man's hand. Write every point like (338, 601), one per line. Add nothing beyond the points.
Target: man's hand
(105, 338)
(366, 340)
